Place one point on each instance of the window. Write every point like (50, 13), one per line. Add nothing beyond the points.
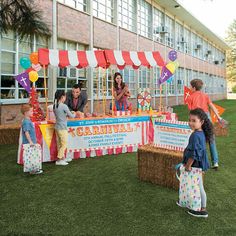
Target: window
(171, 86)
(144, 18)
(156, 77)
(127, 14)
(71, 3)
(130, 78)
(102, 82)
(180, 40)
(144, 78)
(195, 47)
(188, 77)
(81, 5)
(10, 66)
(180, 81)
(187, 41)
(159, 29)
(200, 47)
(169, 36)
(104, 9)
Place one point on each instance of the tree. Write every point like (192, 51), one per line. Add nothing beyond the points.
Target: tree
(23, 17)
(234, 89)
(231, 54)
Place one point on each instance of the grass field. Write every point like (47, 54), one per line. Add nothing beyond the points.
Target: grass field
(103, 196)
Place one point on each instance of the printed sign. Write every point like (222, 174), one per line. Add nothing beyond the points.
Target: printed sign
(172, 135)
(108, 132)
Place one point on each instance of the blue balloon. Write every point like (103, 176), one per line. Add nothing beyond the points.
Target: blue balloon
(170, 79)
(25, 62)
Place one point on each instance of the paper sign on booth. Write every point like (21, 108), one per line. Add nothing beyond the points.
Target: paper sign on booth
(172, 135)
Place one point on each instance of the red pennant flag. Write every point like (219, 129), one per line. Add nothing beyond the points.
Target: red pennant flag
(220, 112)
(187, 93)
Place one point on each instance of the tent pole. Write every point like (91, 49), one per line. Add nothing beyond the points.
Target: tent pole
(112, 97)
(45, 90)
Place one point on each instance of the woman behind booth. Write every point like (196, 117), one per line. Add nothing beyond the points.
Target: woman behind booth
(121, 93)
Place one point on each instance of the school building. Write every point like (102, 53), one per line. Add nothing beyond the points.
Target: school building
(131, 25)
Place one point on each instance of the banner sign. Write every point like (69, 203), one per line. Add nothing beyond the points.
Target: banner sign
(108, 132)
(173, 135)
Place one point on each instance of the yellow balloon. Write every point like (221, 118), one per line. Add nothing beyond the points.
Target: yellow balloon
(176, 64)
(171, 67)
(33, 76)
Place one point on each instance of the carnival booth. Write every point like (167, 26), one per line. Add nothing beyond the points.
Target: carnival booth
(111, 133)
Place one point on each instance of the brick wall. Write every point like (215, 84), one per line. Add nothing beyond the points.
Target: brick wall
(128, 40)
(104, 34)
(46, 7)
(11, 114)
(72, 24)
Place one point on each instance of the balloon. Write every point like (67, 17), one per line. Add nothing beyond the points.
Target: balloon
(25, 62)
(176, 64)
(34, 58)
(172, 55)
(36, 67)
(171, 67)
(170, 79)
(29, 69)
(33, 76)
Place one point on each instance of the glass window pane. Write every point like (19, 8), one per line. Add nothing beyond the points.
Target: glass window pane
(61, 83)
(8, 63)
(7, 82)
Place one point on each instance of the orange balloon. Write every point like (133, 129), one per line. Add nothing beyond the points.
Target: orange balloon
(34, 58)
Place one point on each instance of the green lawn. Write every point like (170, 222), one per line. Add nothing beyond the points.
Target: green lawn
(103, 196)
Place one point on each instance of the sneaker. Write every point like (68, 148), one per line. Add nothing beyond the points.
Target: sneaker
(61, 163)
(202, 214)
(36, 172)
(215, 166)
(68, 159)
(178, 204)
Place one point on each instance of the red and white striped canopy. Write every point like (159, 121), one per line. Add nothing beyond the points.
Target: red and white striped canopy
(99, 58)
(80, 59)
(134, 59)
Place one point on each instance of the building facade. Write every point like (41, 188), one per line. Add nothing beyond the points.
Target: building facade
(120, 25)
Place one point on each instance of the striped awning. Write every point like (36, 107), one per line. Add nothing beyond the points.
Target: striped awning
(79, 59)
(134, 59)
(99, 58)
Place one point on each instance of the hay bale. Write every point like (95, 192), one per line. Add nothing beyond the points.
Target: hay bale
(220, 131)
(156, 165)
(9, 134)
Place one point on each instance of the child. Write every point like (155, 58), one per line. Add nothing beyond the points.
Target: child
(195, 154)
(29, 137)
(201, 100)
(120, 92)
(61, 111)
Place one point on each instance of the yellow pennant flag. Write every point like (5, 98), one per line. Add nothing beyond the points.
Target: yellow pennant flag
(220, 111)
(47, 132)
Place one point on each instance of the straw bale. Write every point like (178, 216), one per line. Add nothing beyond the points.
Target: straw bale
(9, 134)
(220, 131)
(156, 165)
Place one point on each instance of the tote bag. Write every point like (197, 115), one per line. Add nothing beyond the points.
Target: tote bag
(32, 157)
(189, 189)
